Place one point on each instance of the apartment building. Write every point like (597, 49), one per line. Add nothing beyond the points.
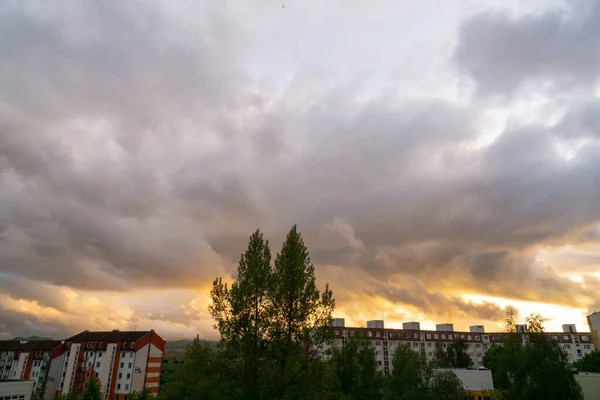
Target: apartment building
(385, 341)
(594, 324)
(121, 362)
(27, 360)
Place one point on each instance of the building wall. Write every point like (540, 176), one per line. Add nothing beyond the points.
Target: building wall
(594, 324)
(385, 342)
(16, 388)
(590, 385)
(54, 374)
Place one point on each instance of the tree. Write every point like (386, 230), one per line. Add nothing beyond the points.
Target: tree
(92, 391)
(532, 366)
(196, 379)
(356, 369)
(272, 321)
(143, 394)
(455, 356)
(510, 324)
(410, 375)
(445, 385)
(244, 317)
(535, 323)
(589, 363)
(301, 314)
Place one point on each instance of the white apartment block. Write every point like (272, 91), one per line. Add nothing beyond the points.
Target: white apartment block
(120, 362)
(385, 341)
(27, 360)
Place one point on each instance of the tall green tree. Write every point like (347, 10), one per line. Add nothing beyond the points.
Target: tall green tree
(243, 315)
(92, 391)
(301, 314)
(589, 363)
(356, 369)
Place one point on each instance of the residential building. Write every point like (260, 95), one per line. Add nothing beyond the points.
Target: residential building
(385, 341)
(13, 389)
(121, 362)
(594, 324)
(27, 360)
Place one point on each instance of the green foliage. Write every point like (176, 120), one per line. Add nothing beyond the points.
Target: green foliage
(532, 367)
(445, 385)
(589, 363)
(192, 381)
(68, 396)
(413, 378)
(455, 356)
(273, 320)
(92, 391)
(144, 394)
(356, 369)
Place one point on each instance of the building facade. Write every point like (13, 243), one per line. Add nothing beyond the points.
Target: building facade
(594, 324)
(27, 360)
(120, 362)
(385, 341)
(11, 389)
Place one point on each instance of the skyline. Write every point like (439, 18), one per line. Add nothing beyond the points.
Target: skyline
(440, 160)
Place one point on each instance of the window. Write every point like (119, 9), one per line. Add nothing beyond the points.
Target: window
(565, 337)
(429, 344)
(468, 337)
(555, 337)
(443, 336)
(585, 339)
(119, 386)
(98, 365)
(122, 365)
(369, 334)
(132, 345)
(416, 344)
(477, 345)
(96, 374)
(337, 333)
(378, 334)
(128, 375)
(485, 337)
(127, 386)
(436, 336)
(120, 375)
(99, 355)
(129, 366)
(428, 336)
(586, 346)
(450, 337)
(123, 354)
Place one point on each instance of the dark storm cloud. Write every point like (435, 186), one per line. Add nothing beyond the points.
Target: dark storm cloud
(135, 152)
(553, 49)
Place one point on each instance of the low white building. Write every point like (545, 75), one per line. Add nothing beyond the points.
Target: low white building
(11, 389)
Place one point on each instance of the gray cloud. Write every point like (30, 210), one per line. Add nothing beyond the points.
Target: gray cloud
(138, 149)
(556, 49)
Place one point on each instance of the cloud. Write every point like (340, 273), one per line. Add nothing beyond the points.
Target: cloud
(141, 143)
(554, 49)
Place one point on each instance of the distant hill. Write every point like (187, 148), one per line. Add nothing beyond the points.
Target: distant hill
(175, 349)
(31, 338)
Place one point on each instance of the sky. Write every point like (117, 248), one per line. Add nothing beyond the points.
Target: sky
(441, 159)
